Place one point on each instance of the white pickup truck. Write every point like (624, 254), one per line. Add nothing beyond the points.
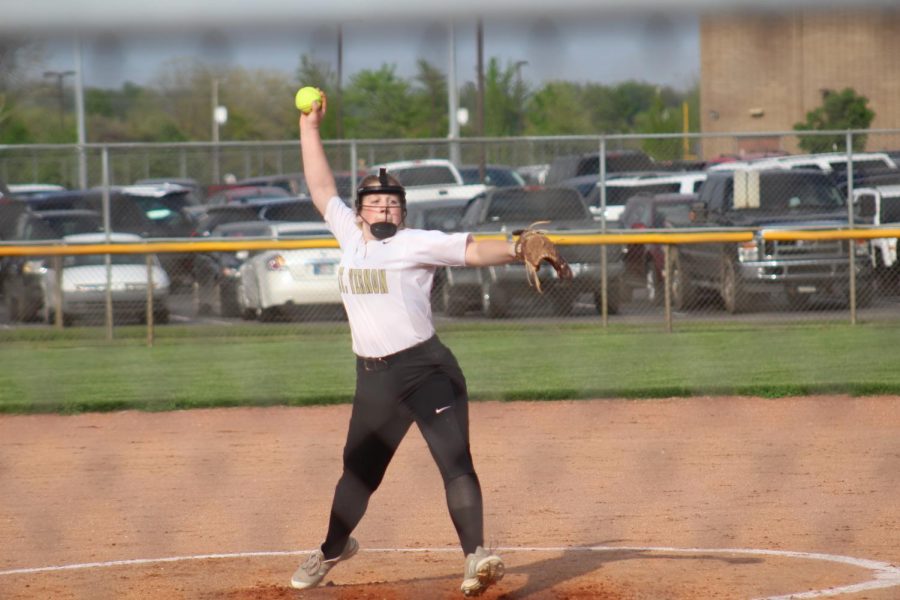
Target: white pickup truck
(431, 179)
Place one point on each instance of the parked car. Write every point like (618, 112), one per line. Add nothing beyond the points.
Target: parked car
(645, 263)
(167, 207)
(292, 183)
(886, 201)
(277, 283)
(196, 192)
(288, 209)
(769, 200)
(125, 214)
(217, 274)
(85, 283)
(505, 210)
(619, 188)
(567, 167)
(834, 163)
(440, 215)
(494, 176)
(533, 174)
(213, 216)
(245, 194)
(431, 179)
(21, 275)
(26, 190)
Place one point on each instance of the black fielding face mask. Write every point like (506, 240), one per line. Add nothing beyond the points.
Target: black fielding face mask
(382, 230)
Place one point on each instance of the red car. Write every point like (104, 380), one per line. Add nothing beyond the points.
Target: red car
(644, 263)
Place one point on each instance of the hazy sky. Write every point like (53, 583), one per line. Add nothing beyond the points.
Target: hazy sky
(656, 49)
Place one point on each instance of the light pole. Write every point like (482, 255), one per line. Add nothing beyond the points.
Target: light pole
(452, 100)
(219, 118)
(520, 95)
(60, 75)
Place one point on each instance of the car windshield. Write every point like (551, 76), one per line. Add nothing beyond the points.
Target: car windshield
(424, 175)
(672, 214)
(536, 205)
(804, 192)
(492, 176)
(890, 209)
(617, 195)
(86, 260)
(165, 210)
(63, 225)
(444, 218)
(295, 211)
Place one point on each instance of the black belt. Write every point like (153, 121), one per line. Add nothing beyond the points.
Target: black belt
(383, 362)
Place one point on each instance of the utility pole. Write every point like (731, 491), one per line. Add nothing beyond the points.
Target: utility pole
(219, 118)
(520, 96)
(453, 101)
(79, 116)
(60, 75)
(479, 125)
(340, 77)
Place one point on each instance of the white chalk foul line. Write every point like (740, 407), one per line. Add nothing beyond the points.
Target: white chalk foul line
(885, 575)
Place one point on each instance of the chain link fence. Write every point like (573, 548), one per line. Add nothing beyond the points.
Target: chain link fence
(658, 234)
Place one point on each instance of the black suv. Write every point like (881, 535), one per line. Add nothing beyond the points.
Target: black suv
(505, 210)
(767, 200)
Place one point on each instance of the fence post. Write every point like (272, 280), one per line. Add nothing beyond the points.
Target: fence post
(667, 284)
(851, 244)
(604, 283)
(106, 228)
(58, 297)
(149, 258)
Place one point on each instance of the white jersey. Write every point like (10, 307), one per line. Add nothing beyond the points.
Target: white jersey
(386, 284)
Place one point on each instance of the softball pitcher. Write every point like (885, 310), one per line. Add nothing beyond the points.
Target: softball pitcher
(404, 373)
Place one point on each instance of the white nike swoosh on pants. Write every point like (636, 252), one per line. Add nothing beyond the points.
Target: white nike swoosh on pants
(438, 411)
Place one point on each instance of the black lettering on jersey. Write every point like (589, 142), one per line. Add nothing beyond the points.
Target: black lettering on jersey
(364, 281)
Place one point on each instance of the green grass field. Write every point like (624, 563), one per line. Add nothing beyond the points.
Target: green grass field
(193, 367)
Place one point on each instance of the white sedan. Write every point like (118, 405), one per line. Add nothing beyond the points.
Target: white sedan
(85, 277)
(275, 283)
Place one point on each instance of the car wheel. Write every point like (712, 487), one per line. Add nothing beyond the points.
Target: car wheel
(865, 291)
(796, 300)
(684, 294)
(733, 294)
(453, 302)
(615, 290)
(269, 314)
(12, 308)
(161, 316)
(562, 302)
(67, 320)
(494, 303)
(653, 284)
(229, 306)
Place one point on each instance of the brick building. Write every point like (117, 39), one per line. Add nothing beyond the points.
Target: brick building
(763, 72)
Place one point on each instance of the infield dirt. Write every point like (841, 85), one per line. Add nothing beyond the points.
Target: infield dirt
(666, 487)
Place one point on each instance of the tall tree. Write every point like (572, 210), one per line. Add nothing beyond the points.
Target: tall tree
(13, 54)
(430, 96)
(839, 110)
(558, 109)
(660, 118)
(378, 104)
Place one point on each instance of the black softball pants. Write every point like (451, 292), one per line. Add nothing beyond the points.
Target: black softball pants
(425, 385)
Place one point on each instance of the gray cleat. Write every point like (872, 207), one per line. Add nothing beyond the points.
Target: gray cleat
(313, 571)
(483, 569)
